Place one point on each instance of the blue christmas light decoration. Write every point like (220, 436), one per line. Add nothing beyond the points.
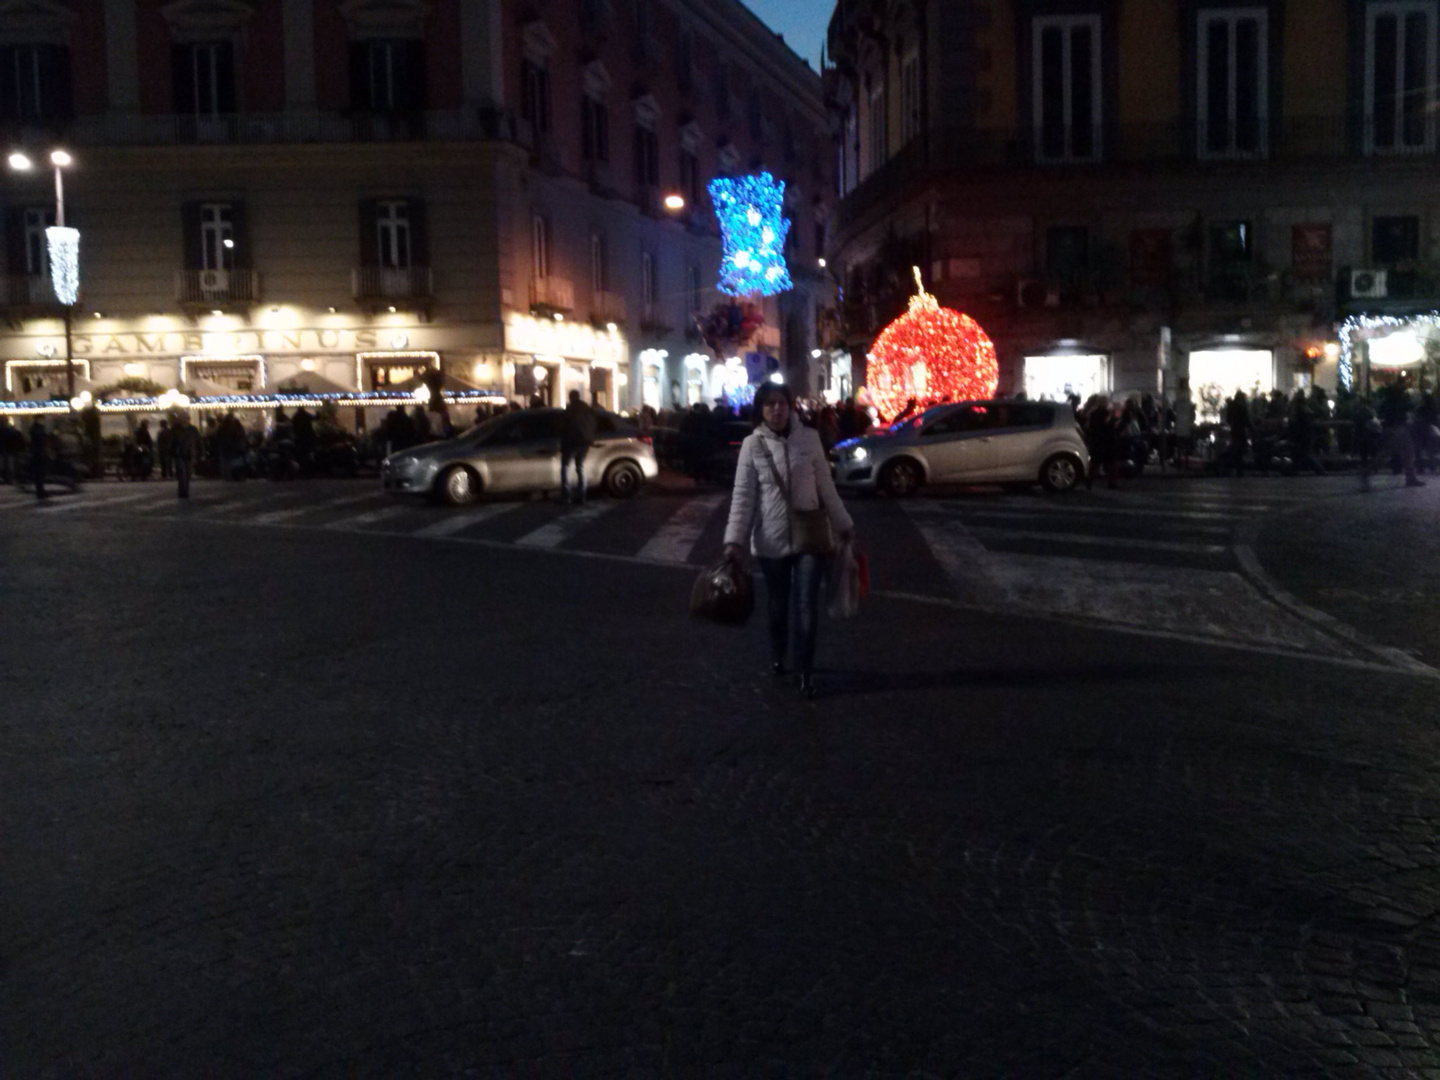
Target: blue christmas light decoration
(754, 228)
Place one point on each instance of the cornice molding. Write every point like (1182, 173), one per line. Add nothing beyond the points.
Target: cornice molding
(35, 21)
(385, 18)
(201, 20)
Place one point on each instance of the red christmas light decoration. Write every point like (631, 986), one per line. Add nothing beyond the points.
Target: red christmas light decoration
(931, 354)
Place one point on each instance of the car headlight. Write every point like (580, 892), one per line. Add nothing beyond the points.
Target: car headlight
(859, 453)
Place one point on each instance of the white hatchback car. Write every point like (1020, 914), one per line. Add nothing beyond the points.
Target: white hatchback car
(969, 442)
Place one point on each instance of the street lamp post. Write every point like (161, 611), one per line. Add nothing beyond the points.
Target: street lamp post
(63, 248)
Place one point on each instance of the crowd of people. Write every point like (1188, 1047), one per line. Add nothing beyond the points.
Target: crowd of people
(1264, 432)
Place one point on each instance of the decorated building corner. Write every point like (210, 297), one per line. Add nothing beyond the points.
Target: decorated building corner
(931, 354)
(753, 230)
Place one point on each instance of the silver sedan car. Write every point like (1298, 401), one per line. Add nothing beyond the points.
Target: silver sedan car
(969, 442)
(520, 452)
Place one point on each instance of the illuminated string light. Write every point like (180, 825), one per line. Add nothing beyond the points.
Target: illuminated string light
(753, 229)
(931, 353)
(63, 245)
(346, 399)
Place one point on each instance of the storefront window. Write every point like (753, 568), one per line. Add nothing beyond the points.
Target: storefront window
(1215, 375)
(1054, 378)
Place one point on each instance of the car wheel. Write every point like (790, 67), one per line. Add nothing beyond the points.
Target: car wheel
(1061, 472)
(901, 478)
(459, 486)
(623, 480)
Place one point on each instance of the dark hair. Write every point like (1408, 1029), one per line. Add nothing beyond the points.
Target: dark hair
(769, 390)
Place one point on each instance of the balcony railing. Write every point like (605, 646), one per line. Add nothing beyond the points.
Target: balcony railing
(217, 287)
(390, 283)
(552, 293)
(113, 129)
(28, 290)
(607, 307)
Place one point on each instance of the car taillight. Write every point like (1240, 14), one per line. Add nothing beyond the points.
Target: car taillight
(647, 440)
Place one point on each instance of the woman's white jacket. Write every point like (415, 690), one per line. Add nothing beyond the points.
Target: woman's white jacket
(758, 512)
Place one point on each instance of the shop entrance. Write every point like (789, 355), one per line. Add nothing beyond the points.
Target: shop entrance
(1215, 375)
(602, 389)
(1054, 378)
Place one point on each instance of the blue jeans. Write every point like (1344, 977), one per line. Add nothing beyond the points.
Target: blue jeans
(798, 576)
(576, 455)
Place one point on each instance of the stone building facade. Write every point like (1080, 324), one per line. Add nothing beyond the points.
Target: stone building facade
(1126, 193)
(350, 191)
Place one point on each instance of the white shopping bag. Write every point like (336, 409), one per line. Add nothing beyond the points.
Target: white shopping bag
(844, 600)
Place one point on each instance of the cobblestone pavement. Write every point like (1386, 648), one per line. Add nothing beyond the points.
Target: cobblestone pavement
(312, 801)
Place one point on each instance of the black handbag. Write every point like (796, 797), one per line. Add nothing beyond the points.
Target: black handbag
(810, 530)
(723, 593)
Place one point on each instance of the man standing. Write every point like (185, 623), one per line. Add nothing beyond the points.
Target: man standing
(39, 455)
(185, 446)
(576, 434)
(11, 443)
(165, 448)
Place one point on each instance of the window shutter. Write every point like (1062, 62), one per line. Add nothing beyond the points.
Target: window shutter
(369, 243)
(9, 107)
(190, 234)
(240, 226)
(58, 100)
(419, 232)
(15, 241)
(412, 82)
(360, 77)
(225, 78)
(182, 80)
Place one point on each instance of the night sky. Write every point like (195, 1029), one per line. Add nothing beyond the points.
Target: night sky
(802, 22)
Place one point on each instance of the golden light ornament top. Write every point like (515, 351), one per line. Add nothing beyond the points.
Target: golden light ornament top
(931, 354)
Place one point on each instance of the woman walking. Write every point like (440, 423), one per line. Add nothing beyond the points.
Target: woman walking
(782, 472)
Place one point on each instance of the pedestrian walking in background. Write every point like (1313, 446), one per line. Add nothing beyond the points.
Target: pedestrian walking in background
(185, 444)
(39, 456)
(144, 451)
(12, 443)
(165, 448)
(1394, 413)
(782, 473)
(1302, 434)
(1237, 416)
(577, 432)
(1103, 440)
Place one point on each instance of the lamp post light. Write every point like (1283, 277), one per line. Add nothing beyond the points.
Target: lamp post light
(63, 247)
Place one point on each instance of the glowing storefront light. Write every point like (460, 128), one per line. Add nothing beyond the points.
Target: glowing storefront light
(1051, 378)
(1215, 374)
(1397, 349)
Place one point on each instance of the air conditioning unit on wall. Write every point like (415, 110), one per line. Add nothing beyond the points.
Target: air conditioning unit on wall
(214, 282)
(1369, 284)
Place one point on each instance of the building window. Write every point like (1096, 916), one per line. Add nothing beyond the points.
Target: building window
(204, 75)
(595, 15)
(1394, 240)
(535, 96)
(849, 164)
(1067, 253)
(34, 82)
(690, 177)
(1232, 253)
(722, 90)
(387, 75)
(217, 236)
(644, 43)
(647, 156)
(879, 152)
(1233, 89)
(1066, 89)
(595, 128)
(598, 274)
(910, 119)
(34, 220)
(685, 63)
(647, 284)
(392, 233)
(1400, 74)
(540, 246)
(756, 118)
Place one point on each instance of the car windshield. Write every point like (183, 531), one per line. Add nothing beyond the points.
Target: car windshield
(481, 430)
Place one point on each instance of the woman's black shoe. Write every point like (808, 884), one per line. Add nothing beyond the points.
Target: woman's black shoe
(807, 687)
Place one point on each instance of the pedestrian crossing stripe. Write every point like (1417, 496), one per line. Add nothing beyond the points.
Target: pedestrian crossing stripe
(554, 533)
(460, 520)
(678, 536)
